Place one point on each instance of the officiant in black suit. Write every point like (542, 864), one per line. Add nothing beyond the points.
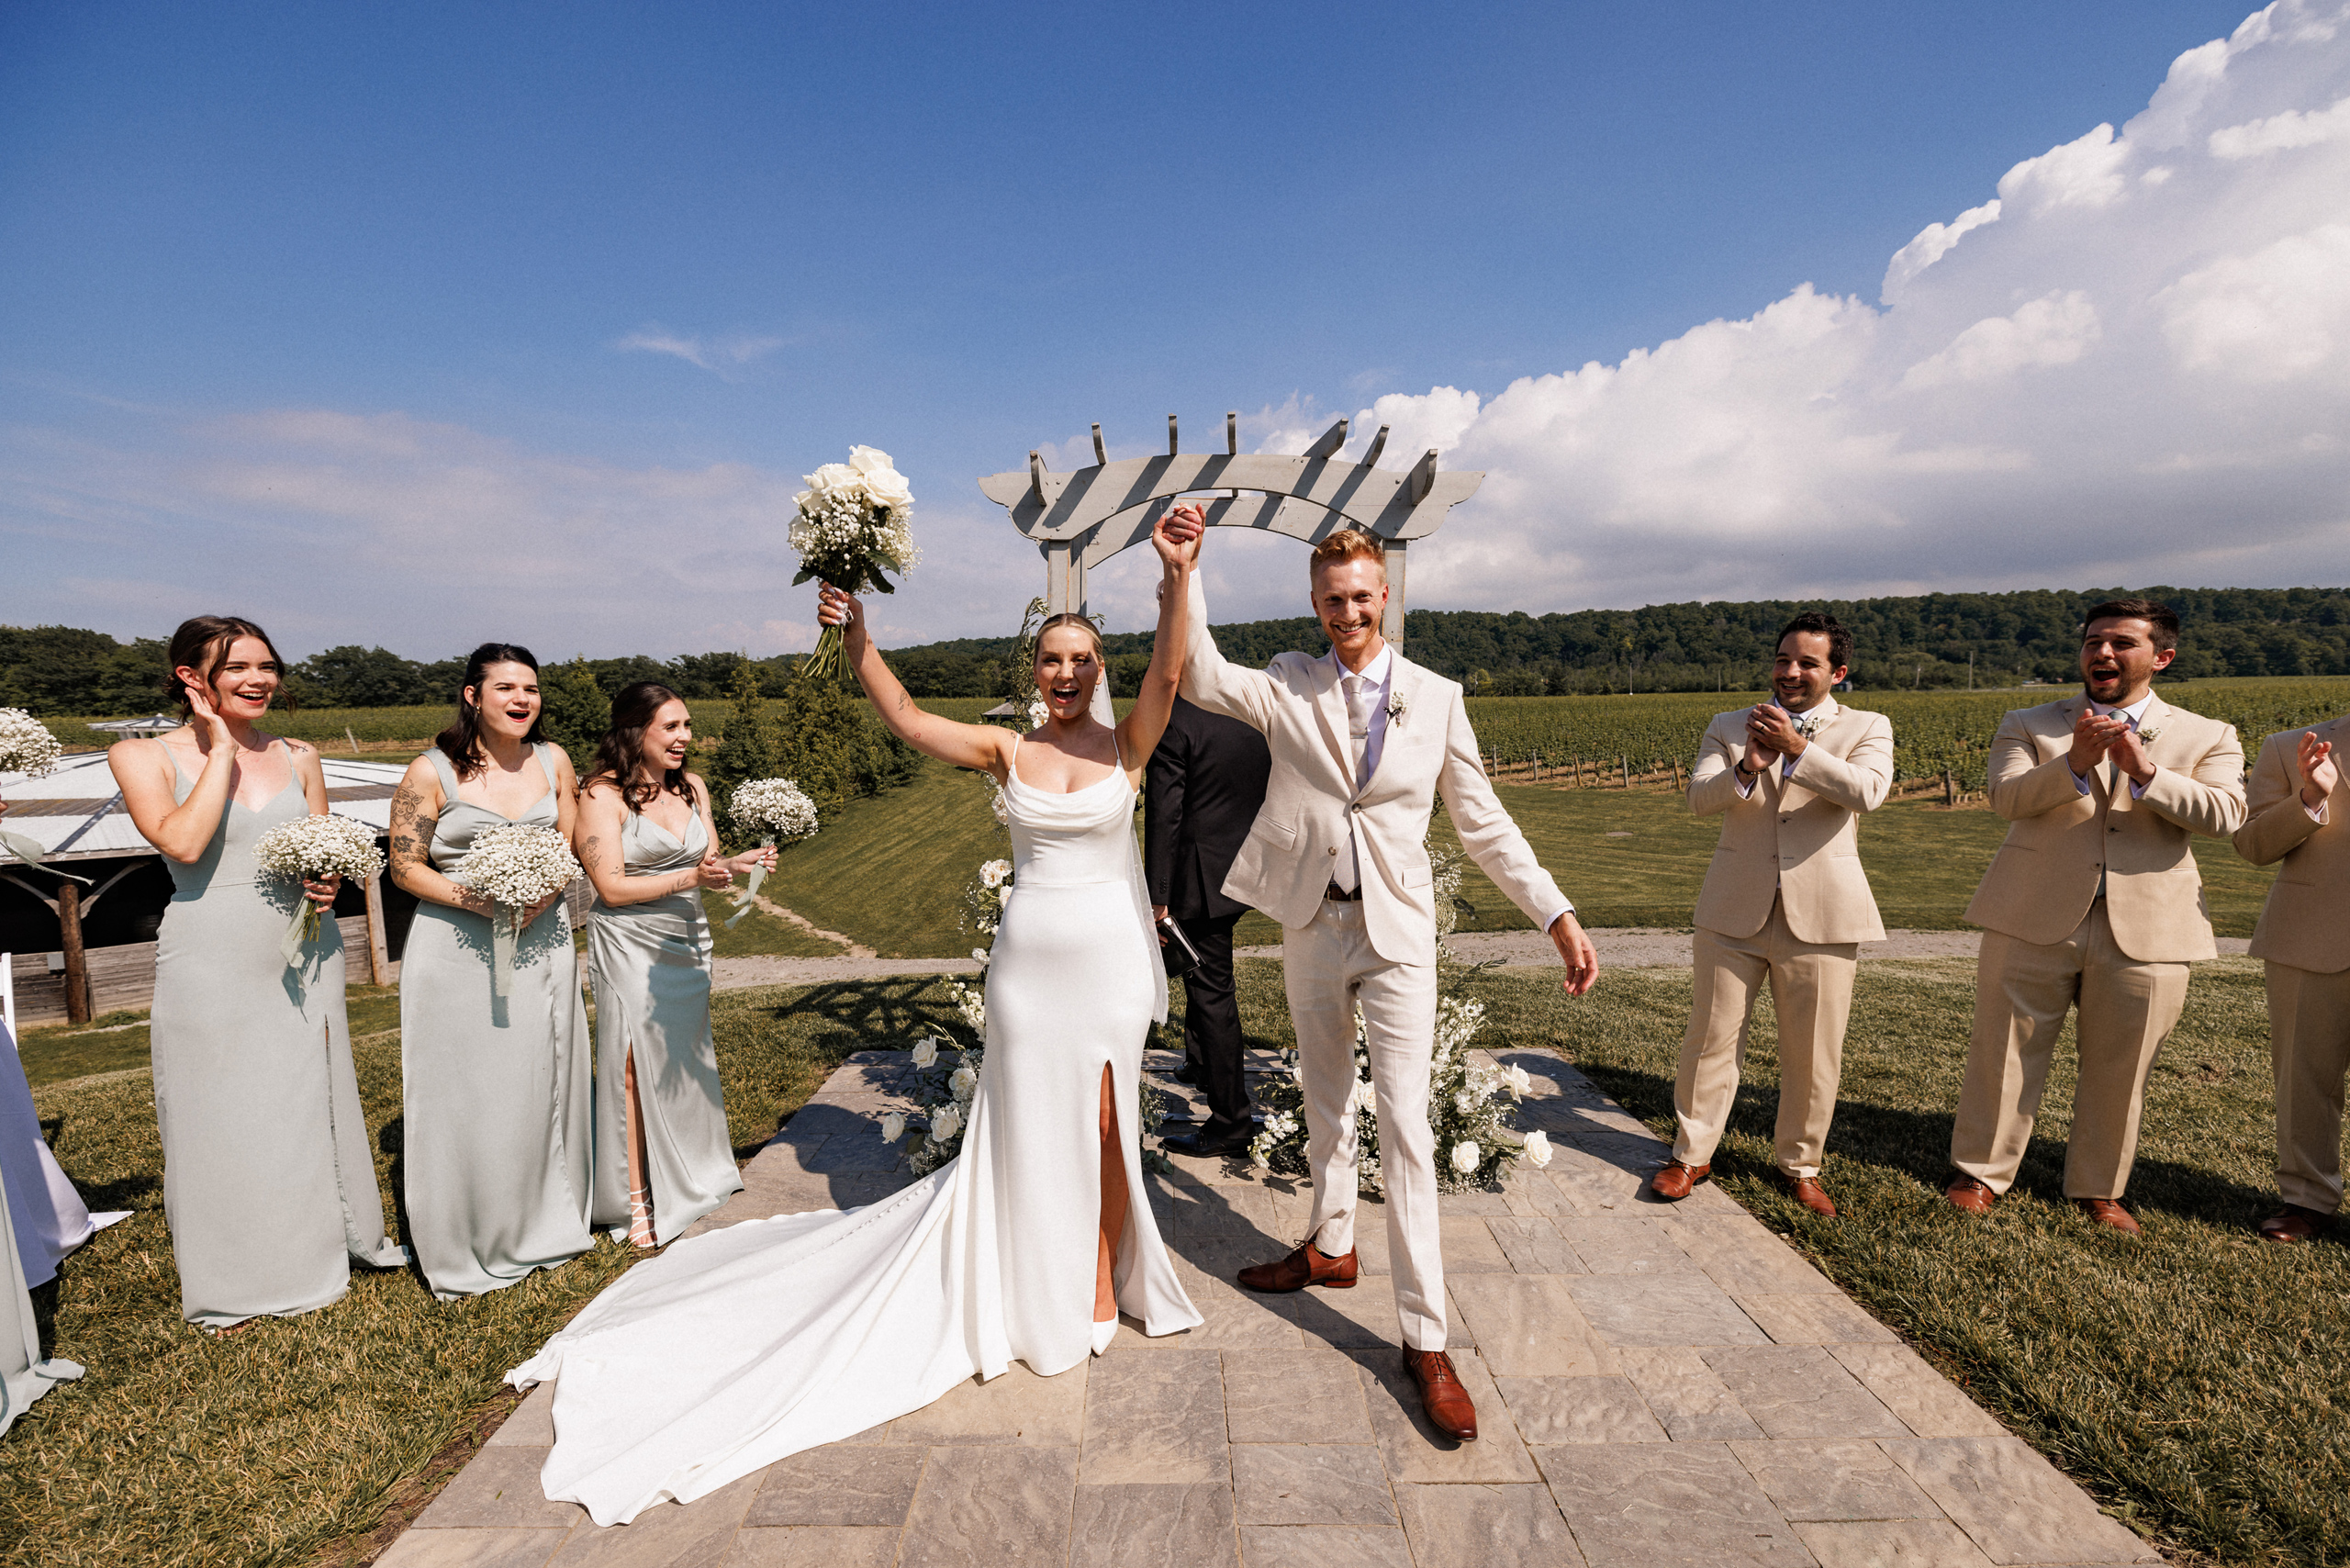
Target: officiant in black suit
(1201, 795)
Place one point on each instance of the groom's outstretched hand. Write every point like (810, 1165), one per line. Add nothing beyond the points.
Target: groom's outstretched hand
(1576, 952)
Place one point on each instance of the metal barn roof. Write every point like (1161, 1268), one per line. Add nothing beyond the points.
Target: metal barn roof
(75, 813)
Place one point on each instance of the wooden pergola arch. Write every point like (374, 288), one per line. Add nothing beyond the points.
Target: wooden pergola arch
(1080, 520)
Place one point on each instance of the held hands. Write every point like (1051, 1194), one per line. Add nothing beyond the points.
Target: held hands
(530, 915)
(1158, 913)
(1576, 952)
(1771, 734)
(2319, 772)
(2093, 737)
(712, 873)
(1176, 534)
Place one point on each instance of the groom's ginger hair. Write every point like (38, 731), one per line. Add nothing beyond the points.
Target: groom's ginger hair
(1348, 544)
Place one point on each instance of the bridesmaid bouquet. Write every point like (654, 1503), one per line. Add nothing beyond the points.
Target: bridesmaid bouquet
(855, 518)
(26, 747)
(776, 810)
(313, 848)
(515, 866)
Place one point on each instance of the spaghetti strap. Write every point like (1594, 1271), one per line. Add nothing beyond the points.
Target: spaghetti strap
(447, 775)
(541, 749)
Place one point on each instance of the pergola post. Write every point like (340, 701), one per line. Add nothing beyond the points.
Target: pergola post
(1392, 628)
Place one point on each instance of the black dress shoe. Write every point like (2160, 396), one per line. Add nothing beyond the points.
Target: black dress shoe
(1210, 1143)
(1186, 1074)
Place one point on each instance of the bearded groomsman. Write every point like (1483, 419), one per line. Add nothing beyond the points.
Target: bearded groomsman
(2094, 900)
(1784, 901)
(2296, 816)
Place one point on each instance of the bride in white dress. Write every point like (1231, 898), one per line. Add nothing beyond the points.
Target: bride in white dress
(741, 1346)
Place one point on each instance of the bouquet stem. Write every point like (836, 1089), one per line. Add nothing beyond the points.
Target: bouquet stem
(749, 895)
(504, 929)
(829, 657)
(304, 931)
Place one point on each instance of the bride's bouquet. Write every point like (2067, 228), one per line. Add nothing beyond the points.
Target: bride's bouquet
(26, 747)
(855, 518)
(313, 848)
(780, 813)
(515, 866)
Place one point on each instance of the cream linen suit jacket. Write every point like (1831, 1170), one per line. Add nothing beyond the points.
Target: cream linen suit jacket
(1313, 809)
(1795, 839)
(2045, 876)
(2306, 923)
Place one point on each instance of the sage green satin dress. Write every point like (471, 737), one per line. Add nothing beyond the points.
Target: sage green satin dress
(269, 1175)
(651, 981)
(496, 1137)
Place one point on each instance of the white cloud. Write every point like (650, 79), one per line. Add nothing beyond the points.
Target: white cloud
(721, 357)
(2056, 329)
(2132, 366)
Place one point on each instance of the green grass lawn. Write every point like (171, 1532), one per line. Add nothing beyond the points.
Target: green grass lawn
(891, 870)
(2191, 1380)
(284, 1443)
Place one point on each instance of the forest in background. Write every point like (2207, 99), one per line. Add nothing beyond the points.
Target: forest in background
(1924, 642)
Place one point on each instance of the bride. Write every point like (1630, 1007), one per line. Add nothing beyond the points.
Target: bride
(743, 1346)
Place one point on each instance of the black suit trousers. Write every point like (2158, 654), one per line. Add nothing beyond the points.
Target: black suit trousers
(1211, 1023)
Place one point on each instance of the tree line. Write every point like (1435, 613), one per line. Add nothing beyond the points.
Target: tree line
(1925, 642)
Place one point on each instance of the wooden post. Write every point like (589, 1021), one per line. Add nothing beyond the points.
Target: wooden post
(1950, 788)
(1623, 764)
(380, 952)
(77, 964)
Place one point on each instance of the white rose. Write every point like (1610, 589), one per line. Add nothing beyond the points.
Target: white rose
(963, 1081)
(889, 487)
(926, 1051)
(893, 1127)
(946, 1124)
(868, 460)
(992, 874)
(1465, 1103)
(1537, 1148)
(1464, 1157)
(834, 478)
(1518, 1080)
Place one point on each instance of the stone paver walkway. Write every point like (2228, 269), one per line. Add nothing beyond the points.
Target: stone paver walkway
(1655, 1386)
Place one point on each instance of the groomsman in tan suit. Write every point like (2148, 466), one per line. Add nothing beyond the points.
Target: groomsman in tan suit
(1362, 739)
(2298, 810)
(2094, 900)
(1784, 901)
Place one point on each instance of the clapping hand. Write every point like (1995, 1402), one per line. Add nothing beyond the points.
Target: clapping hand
(713, 873)
(2319, 772)
(2129, 754)
(2092, 738)
(1771, 734)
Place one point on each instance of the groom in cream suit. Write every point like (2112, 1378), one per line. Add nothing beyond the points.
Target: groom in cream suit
(1784, 901)
(1362, 739)
(2299, 813)
(2094, 898)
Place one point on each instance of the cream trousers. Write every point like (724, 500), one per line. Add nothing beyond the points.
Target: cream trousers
(1330, 969)
(2309, 1034)
(1811, 991)
(2023, 992)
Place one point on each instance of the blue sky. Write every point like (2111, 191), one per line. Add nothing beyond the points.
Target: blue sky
(422, 324)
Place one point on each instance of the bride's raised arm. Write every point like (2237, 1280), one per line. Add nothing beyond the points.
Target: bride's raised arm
(1176, 537)
(985, 747)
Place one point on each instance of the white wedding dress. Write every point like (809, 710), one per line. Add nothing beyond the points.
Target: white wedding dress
(741, 1346)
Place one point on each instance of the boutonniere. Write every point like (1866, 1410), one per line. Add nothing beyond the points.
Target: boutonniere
(1396, 707)
(2150, 733)
(1808, 725)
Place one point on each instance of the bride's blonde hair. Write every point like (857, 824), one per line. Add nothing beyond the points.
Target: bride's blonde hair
(1070, 618)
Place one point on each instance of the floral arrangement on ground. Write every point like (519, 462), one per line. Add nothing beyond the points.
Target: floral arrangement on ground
(1469, 1102)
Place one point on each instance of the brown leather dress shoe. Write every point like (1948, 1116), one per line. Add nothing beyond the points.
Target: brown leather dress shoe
(1677, 1180)
(1808, 1192)
(2293, 1224)
(1305, 1267)
(1451, 1410)
(2105, 1211)
(1972, 1196)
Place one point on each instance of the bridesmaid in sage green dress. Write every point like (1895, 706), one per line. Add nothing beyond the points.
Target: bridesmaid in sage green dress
(495, 1140)
(269, 1175)
(663, 1157)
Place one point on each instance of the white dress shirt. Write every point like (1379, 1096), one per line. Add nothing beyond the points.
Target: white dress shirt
(1380, 672)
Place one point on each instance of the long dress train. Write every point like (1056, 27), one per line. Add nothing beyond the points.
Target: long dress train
(650, 963)
(744, 1345)
(496, 1134)
(269, 1177)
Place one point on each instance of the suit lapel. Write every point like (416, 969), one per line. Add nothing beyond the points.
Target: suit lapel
(1330, 708)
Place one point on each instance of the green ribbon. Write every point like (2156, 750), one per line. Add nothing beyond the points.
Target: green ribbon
(749, 895)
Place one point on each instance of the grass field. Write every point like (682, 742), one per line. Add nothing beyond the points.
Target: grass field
(1626, 857)
(2190, 1380)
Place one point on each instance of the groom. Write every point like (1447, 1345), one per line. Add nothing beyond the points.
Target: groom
(1362, 740)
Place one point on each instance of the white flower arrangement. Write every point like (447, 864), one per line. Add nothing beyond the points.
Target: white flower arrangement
(515, 866)
(984, 898)
(1808, 725)
(1396, 708)
(313, 848)
(853, 519)
(1037, 714)
(780, 813)
(26, 744)
(2148, 733)
(26, 747)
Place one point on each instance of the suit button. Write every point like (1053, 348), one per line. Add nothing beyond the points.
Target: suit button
(1333, 849)
(1356, 807)
(2113, 829)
